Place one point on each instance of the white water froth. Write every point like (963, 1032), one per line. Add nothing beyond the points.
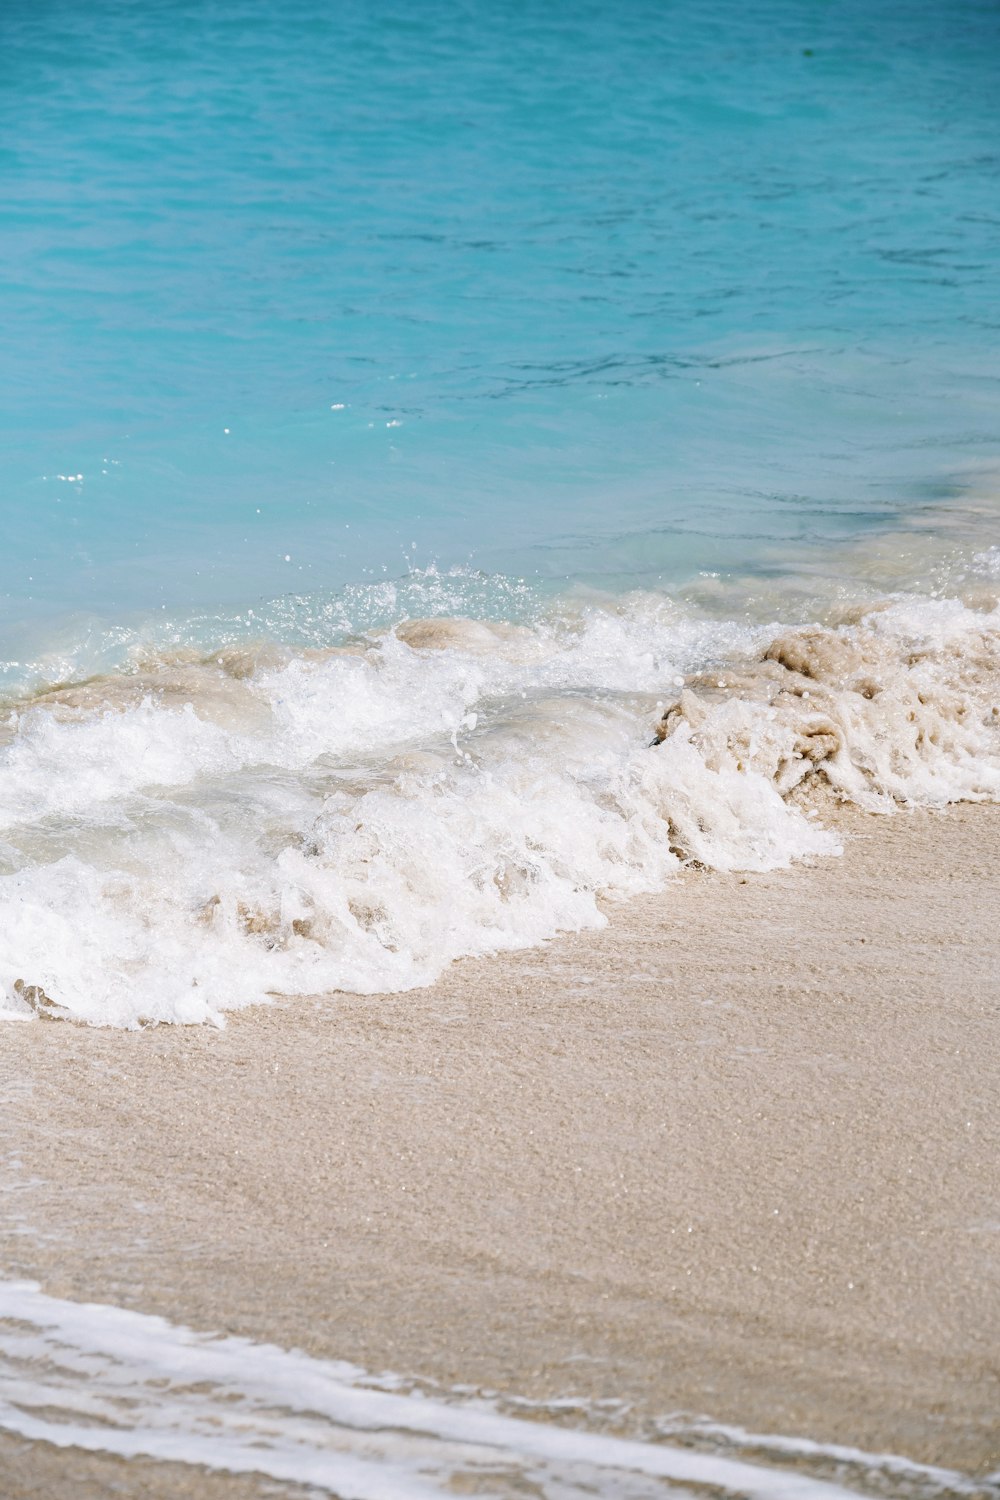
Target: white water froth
(204, 833)
(107, 1380)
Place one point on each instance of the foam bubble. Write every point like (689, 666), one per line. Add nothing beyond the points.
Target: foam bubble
(205, 832)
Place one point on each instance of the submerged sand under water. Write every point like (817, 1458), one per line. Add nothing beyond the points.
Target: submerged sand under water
(735, 1157)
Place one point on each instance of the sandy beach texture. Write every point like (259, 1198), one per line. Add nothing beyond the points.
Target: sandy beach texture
(738, 1154)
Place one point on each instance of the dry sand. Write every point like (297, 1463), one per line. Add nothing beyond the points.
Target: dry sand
(738, 1154)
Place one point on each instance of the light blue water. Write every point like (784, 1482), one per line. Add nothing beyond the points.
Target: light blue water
(646, 333)
(310, 292)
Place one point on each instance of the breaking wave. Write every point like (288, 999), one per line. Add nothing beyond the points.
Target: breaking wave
(202, 831)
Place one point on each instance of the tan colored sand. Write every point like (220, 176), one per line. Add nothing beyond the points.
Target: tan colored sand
(41, 1471)
(739, 1154)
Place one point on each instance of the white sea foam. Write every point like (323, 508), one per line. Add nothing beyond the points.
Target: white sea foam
(986, 563)
(200, 833)
(108, 1380)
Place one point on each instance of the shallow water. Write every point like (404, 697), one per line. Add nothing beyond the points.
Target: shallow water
(107, 1380)
(616, 293)
(404, 411)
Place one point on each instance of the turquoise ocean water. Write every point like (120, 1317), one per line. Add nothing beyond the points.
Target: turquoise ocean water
(621, 338)
(294, 296)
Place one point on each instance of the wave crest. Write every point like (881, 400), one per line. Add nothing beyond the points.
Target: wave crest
(207, 833)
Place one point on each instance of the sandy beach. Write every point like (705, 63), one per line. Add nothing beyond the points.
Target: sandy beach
(500, 752)
(735, 1155)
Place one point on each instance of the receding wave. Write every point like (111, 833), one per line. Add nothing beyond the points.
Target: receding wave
(203, 831)
(159, 1390)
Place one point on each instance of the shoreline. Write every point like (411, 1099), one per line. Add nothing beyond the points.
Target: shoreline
(735, 1155)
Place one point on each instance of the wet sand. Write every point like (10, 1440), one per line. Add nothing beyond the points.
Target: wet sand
(736, 1155)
